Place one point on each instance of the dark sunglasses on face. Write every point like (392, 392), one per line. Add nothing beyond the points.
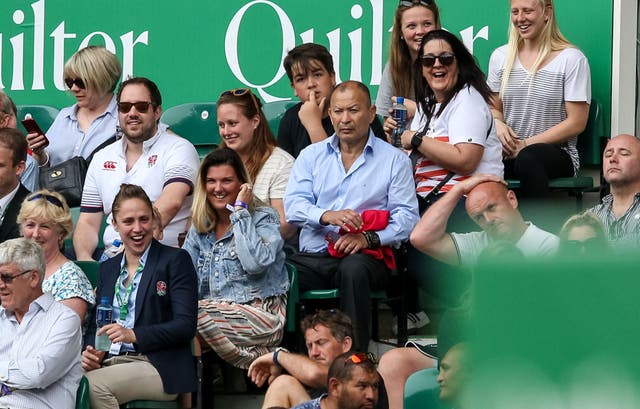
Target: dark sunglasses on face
(589, 245)
(51, 199)
(406, 3)
(8, 278)
(360, 357)
(70, 81)
(429, 60)
(141, 106)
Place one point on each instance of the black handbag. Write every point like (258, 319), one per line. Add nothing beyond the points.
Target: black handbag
(67, 178)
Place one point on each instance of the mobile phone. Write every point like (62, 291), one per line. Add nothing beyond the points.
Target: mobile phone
(32, 126)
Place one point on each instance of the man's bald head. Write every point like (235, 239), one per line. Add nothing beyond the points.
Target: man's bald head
(495, 209)
(621, 161)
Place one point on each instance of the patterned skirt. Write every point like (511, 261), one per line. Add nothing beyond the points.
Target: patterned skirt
(240, 333)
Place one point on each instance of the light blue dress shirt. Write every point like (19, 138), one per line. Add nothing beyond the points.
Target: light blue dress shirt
(40, 356)
(67, 140)
(380, 179)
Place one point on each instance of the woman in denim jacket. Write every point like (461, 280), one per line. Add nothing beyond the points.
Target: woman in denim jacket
(236, 247)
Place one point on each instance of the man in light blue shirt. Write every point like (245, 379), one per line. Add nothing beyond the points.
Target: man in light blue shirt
(40, 339)
(331, 184)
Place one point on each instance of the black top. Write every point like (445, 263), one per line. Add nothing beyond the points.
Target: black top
(293, 136)
(9, 228)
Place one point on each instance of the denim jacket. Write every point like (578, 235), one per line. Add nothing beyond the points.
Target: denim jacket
(246, 263)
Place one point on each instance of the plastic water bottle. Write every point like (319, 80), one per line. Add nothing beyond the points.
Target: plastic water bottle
(111, 250)
(400, 116)
(104, 314)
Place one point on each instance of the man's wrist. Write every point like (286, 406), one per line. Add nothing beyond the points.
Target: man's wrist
(276, 353)
(373, 240)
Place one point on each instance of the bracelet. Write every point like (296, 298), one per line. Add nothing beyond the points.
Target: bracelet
(46, 162)
(275, 355)
(241, 204)
(373, 240)
(5, 390)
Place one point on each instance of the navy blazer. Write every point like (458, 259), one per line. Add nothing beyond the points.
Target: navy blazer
(9, 228)
(166, 313)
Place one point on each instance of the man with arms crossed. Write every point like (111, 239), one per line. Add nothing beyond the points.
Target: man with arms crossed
(295, 378)
(40, 339)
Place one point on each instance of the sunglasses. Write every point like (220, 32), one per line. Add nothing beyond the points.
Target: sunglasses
(70, 81)
(8, 278)
(590, 245)
(429, 60)
(51, 199)
(360, 357)
(238, 92)
(405, 3)
(141, 106)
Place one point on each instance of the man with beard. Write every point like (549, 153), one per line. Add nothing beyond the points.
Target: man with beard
(164, 164)
(353, 384)
(492, 207)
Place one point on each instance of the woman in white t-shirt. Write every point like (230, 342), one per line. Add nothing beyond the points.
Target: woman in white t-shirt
(542, 89)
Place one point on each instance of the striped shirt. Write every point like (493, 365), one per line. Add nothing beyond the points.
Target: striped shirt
(465, 119)
(40, 356)
(271, 181)
(531, 105)
(623, 232)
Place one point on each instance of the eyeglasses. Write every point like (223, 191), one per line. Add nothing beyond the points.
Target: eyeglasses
(238, 92)
(429, 60)
(51, 199)
(360, 357)
(406, 3)
(591, 245)
(8, 278)
(70, 81)
(141, 106)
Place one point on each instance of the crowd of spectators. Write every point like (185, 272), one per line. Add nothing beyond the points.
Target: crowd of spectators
(329, 195)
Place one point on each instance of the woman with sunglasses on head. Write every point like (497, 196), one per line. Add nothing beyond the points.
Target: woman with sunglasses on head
(153, 292)
(413, 19)
(244, 128)
(235, 244)
(91, 75)
(45, 218)
(541, 86)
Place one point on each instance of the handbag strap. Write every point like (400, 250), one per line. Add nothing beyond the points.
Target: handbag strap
(109, 141)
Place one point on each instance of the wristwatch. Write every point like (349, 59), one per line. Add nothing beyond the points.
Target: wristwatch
(416, 139)
(275, 355)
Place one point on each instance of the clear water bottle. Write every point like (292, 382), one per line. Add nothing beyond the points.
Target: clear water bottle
(400, 116)
(104, 314)
(111, 250)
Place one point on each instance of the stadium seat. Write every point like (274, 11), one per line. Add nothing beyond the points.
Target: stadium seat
(196, 122)
(421, 391)
(82, 396)
(274, 111)
(43, 114)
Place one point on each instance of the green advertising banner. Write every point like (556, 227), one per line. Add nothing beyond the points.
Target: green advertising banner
(196, 49)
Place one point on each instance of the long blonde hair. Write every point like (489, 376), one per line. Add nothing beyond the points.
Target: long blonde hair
(552, 40)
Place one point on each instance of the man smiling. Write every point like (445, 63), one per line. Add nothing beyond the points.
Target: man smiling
(164, 164)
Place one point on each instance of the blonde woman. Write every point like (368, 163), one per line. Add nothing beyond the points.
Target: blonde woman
(542, 91)
(45, 218)
(91, 75)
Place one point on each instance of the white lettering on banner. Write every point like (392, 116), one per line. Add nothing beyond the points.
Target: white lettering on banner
(288, 42)
(468, 38)
(231, 47)
(59, 36)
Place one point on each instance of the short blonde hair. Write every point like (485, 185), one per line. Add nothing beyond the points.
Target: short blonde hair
(45, 204)
(98, 68)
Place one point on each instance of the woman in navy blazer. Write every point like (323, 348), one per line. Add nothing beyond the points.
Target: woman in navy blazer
(153, 290)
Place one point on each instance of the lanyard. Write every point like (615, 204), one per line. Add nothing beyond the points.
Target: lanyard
(124, 302)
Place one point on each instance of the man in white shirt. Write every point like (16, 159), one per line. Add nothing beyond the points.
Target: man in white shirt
(162, 163)
(492, 207)
(41, 339)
